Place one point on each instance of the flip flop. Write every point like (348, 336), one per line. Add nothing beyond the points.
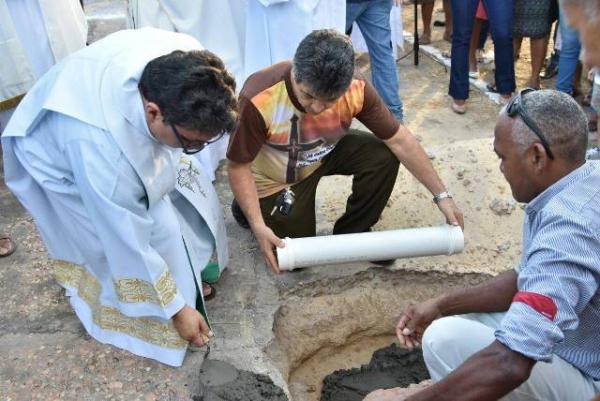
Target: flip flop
(12, 247)
(213, 291)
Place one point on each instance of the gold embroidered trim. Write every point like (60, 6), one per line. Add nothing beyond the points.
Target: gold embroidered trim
(136, 290)
(11, 103)
(108, 318)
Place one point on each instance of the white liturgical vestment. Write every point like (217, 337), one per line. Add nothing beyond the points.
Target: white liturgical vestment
(34, 35)
(274, 28)
(79, 156)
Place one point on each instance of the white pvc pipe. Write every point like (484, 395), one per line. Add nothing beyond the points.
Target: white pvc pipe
(371, 246)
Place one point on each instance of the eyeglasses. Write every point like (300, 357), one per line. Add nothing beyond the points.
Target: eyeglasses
(192, 147)
(515, 106)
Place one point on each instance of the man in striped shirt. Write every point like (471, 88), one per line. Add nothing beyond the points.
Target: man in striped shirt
(530, 333)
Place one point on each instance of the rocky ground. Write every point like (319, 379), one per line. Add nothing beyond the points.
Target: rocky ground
(277, 331)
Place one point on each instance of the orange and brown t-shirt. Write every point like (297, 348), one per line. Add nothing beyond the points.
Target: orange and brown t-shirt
(286, 144)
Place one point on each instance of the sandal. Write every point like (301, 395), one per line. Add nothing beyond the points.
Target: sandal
(9, 248)
(211, 294)
(425, 39)
(458, 108)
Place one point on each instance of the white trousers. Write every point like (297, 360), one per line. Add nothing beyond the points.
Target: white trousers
(449, 341)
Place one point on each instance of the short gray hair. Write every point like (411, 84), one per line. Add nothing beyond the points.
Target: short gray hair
(560, 119)
(324, 61)
(591, 8)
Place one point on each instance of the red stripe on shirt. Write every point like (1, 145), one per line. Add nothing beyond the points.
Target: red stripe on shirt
(540, 303)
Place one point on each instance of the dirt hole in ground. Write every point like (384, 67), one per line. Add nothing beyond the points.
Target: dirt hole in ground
(340, 332)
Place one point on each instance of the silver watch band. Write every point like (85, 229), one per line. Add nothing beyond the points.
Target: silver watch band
(442, 195)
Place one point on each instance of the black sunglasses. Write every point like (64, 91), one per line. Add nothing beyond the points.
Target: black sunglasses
(515, 106)
(197, 146)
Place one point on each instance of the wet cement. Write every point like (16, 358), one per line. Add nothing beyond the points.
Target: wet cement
(389, 367)
(220, 381)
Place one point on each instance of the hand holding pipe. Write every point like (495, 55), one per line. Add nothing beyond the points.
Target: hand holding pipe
(379, 245)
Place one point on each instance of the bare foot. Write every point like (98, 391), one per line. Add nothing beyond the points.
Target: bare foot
(425, 38)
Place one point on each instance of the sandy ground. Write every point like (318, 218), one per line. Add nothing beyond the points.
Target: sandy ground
(270, 324)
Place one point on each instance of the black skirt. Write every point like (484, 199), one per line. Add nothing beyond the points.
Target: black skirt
(533, 18)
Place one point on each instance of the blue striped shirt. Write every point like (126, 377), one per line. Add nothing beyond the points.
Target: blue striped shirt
(557, 307)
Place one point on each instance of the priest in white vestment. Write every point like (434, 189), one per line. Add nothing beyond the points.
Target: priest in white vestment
(94, 154)
(34, 35)
(217, 24)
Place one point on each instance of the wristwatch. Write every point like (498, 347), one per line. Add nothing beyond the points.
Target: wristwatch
(442, 195)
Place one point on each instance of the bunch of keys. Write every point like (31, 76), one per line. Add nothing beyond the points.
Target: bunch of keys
(284, 202)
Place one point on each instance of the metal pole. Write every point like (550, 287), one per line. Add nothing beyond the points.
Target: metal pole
(416, 36)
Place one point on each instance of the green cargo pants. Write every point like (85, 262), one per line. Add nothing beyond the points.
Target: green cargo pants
(374, 168)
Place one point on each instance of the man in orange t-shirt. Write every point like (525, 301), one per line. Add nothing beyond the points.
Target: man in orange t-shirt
(293, 130)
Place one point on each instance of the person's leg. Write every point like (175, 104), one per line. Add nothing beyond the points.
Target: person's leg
(551, 68)
(426, 15)
(473, 46)
(374, 23)
(449, 22)
(539, 46)
(483, 34)
(374, 168)
(449, 341)
(353, 10)
(300, 222)
(463, 12)
(569, 55)
(500, 14)
(517, 43)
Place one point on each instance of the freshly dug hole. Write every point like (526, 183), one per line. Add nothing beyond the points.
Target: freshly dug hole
(334, 324)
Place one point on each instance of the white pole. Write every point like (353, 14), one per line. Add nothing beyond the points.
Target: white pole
(379, 245)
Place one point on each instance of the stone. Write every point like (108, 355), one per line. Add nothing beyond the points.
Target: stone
(503, 207)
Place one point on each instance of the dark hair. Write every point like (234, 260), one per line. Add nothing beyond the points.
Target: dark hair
(192, 89)
(324, 61)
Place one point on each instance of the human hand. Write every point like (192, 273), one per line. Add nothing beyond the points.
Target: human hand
(453, 214)
(191, 326)
(414, 321)
(393, 394)
(267, 241)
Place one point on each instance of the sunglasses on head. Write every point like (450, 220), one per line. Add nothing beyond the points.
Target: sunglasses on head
(516, 107)
(192, 147)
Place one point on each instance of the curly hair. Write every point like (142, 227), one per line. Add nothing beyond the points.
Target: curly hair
(192, 89)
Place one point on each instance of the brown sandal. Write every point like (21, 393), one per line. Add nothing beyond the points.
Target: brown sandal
(7, 251)
(213, 291)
